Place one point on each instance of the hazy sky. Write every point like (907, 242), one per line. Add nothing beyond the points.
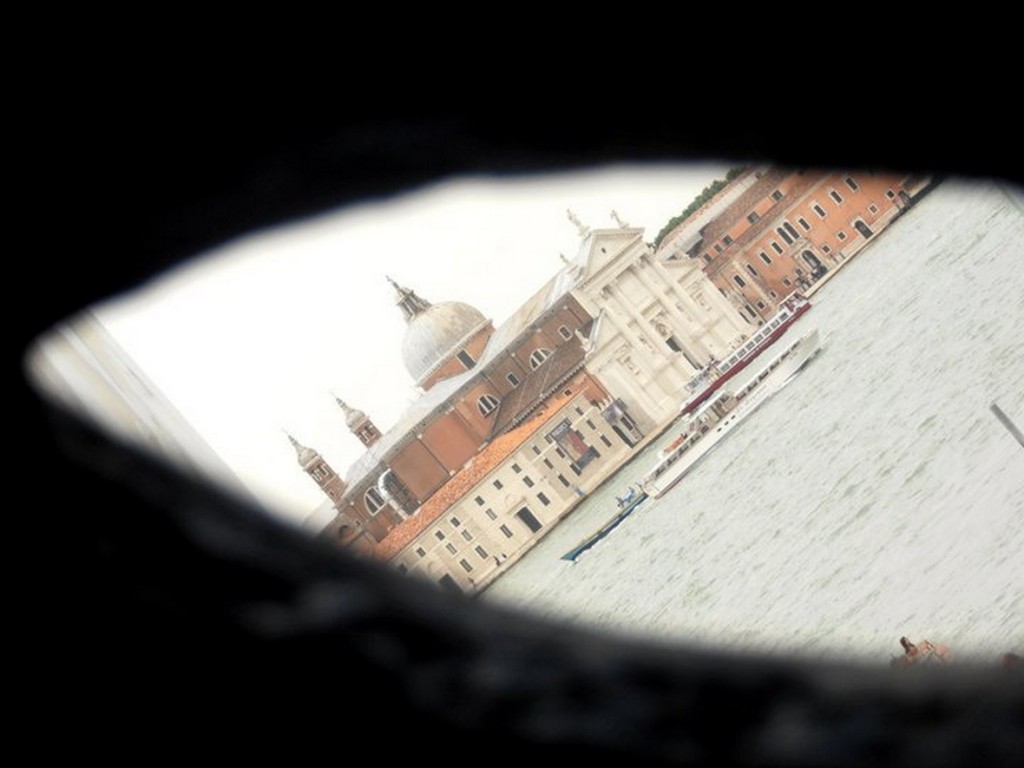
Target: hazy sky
(252, 339)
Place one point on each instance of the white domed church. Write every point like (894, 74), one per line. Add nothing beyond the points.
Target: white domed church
(515, 424)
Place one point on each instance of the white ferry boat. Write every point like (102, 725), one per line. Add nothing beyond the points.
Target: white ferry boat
(716, 374)
(706, 427)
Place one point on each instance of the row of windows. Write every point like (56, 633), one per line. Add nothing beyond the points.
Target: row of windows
(787, 232)
(488, 403)
(479, 549)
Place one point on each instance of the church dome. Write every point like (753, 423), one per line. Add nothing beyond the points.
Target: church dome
(435, 334)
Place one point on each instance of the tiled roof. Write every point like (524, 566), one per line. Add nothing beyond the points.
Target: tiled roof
(702, 211)
(540, 383)
(762, 188)
(463, 481)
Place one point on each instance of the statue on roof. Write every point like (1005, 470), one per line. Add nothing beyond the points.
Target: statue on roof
(580, 227)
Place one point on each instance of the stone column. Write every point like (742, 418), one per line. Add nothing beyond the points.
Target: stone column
(693, 345)
(718, 301)
(638, 350)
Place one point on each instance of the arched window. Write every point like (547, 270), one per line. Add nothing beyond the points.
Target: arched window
(487, 404)
(374, 501)
(538, 357)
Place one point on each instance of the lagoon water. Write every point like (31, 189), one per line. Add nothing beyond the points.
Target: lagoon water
(877, 495)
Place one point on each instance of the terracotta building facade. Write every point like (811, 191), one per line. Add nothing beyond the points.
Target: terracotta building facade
(783, 230)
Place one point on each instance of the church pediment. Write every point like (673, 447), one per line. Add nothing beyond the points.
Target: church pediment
(605, 246)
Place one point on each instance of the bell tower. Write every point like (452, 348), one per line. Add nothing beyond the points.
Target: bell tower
(359, 424)
(323, 475)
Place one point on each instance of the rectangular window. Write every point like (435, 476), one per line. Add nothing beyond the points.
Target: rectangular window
(467, 535)
(481, 551)
(777, 247)
(707, 257)
(527, 481)
(536, 450)
(606, 441)
(785, 280)
(456, 522)
(784, 235)
(873, 208)
(819, 210)
(727, 240)
(803, 223)
(508, 533)
(451, 548)
(421, 551)
(479, 500)
(777, 195)
(543, 499)
(402, 569)
(835, 196)
(465, 564)
(548, 464)
(591, 424)
(760, 305)
(826, 249)
(563, 481)
(739, 281)
(560, 452)
(718, 247)
(512, 379)
(752, 217)
(579, 411)
(764, 257)
(492, 514)
(841, 235)
(751, 270)
(564, 332)
(890, 194)
(516, 468)
(466, 359)
(851, 183)
(440, 535)
(498, 484)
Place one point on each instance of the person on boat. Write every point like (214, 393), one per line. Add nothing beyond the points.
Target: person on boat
(924, 652)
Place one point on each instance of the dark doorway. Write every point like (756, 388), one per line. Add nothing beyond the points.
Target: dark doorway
(448, 584)
(622, 435)
(817, 268)
(527, 517)
(812, 260)
(863, 228)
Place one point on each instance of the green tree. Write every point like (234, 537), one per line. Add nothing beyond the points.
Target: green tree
(706, 194)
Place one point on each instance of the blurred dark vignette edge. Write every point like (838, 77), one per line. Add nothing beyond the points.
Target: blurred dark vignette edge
(159, 612)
